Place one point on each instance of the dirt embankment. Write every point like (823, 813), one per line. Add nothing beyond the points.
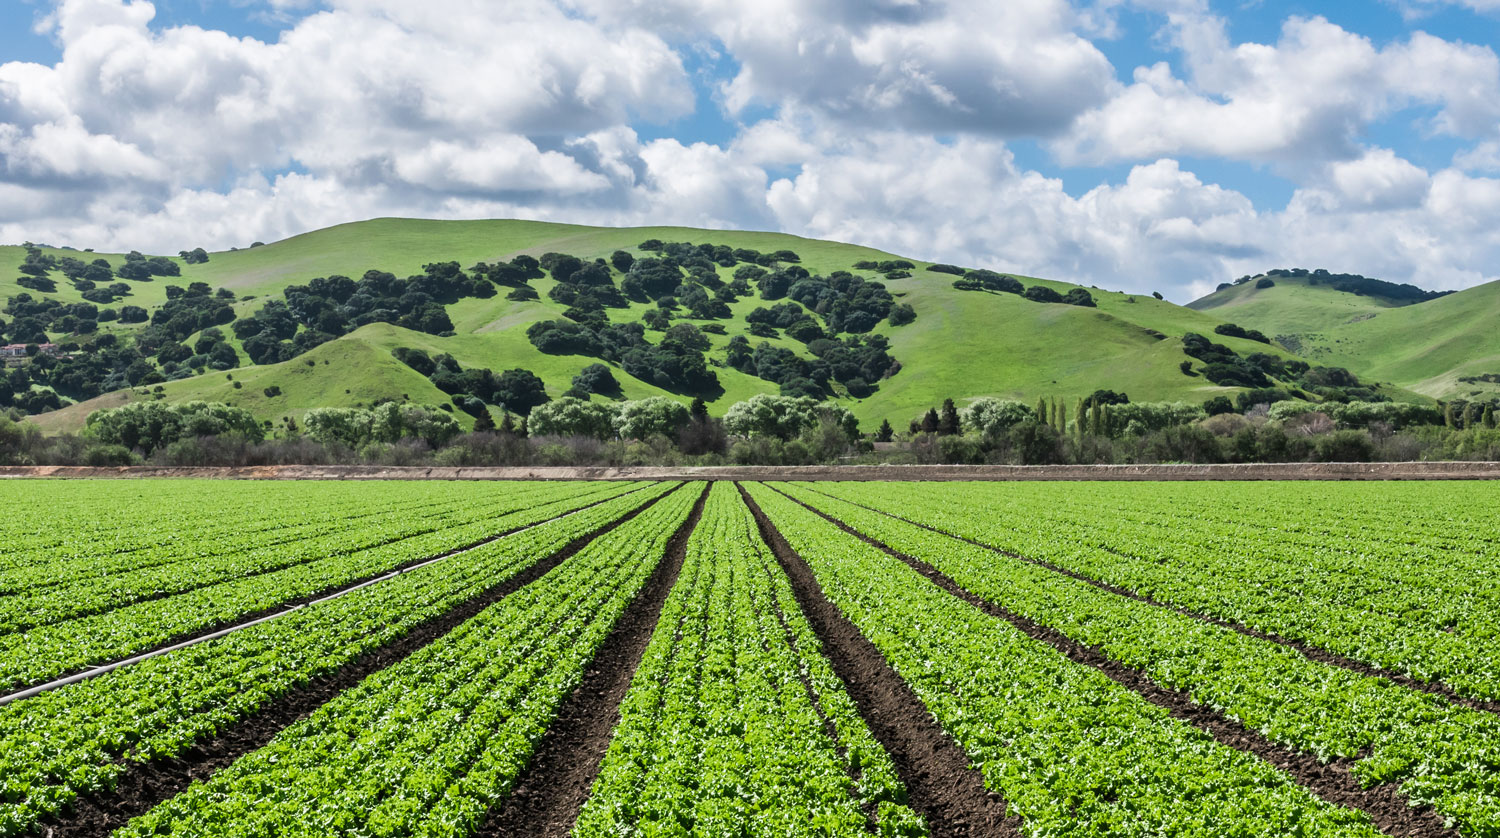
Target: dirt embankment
(1248, 471)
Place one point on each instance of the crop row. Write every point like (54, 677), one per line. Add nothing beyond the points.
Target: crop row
(102, 591)
(1300, 596)
(1406, 514)
(1446, 755)
(114, 518)
(52, 650)
(734, 716)
(1073, 751)
(209, 537)
(80, 738)
(1353, 563)
(429, 745)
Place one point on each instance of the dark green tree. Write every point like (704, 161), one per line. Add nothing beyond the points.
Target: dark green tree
(948, 420)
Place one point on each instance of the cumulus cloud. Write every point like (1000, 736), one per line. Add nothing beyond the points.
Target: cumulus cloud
(1014, 68)
(366, 83)
(1306, 98)
(885, 123)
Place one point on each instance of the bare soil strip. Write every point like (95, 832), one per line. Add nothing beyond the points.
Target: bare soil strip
(1445, 470)
(257, 617)
(143, 786)
(552, 789)
(1307, 650)
(941, 784)
(829, 728)
(1334, 782)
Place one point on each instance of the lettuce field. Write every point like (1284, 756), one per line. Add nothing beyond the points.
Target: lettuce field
(241, 658)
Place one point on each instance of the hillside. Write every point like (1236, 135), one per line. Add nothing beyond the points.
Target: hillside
(962, 344)
(1427, 347)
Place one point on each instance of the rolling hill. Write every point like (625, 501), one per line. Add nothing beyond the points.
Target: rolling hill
(963, 343)
(1443, 348)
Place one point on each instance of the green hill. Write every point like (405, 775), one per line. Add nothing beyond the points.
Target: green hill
(963, 343)
(1428, 347)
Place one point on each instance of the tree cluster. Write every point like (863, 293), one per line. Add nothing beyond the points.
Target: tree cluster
(676, 363)
(1230, 330)
(150, 425)
(986, 280)
(515, 390)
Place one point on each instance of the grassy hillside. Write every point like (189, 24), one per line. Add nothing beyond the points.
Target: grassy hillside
(963, 344)
(1425, 347)
(1294, 310)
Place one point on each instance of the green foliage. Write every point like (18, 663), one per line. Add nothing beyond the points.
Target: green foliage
(570, 416)
(1042, 294)
(785, 417)
(151, 425)
(646, 418)
(1438, 751)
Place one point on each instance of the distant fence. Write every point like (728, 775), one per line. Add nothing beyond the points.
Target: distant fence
(1248, 471)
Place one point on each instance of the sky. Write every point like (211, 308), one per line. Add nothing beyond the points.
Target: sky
(1140, 145)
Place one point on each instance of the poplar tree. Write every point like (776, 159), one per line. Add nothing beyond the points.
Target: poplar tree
(948, 421)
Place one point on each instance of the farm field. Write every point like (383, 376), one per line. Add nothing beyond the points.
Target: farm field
(304, 658)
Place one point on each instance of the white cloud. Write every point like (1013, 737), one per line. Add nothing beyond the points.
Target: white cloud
(1307, 98)
(1379, 181)
(1483, 157)
(368, 83)
(889, 126)
(1010, 68)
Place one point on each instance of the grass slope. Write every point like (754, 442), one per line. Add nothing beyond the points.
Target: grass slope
(964, 344)
(1294, 308)
(1423, 347)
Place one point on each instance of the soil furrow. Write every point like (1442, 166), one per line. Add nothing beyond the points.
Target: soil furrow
(941, 785)
(829, 728)
(1334, 782)
(552, 789)
(327, 593)
(1307, 650)
(144, 785)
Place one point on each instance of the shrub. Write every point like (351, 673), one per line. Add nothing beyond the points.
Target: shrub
(993, 417)
(656, 416)
(569, 416)
(1042, 294)
(1344, 447)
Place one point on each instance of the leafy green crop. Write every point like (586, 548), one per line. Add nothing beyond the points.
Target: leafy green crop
(428, 745)
(356, 552)
(720, 733)
(76, 739)
(1074, 752)
(1442, 753)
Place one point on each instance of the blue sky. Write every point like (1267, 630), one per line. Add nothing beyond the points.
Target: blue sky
(1357, 136)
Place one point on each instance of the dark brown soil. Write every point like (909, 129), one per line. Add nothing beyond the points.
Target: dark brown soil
(551, 791)
(1306, 649)
(143, 786)
(1334, 782)
(1240, 471)
(941, 785)
(246, 619)
(829, 728)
